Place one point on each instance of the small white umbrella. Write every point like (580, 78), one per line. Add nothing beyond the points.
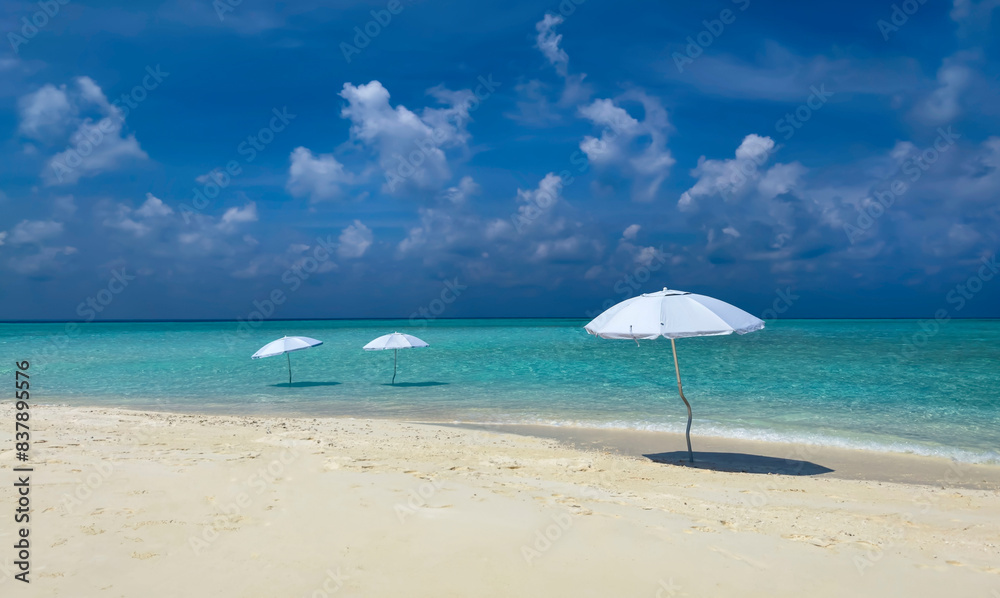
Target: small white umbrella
(672, 314)
(395, 341)
(286, 345)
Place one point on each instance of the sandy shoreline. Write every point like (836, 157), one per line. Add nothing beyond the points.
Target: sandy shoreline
(156, 504)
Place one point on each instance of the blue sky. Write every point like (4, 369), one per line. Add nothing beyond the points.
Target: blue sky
(191, 159)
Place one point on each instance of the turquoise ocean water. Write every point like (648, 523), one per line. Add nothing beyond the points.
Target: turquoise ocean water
(877, 384)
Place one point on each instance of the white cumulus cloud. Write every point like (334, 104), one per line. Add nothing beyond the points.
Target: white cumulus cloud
(235, 216)
(45, 113)
(34, 231)
(466, 188)
(80, 119)
(731, 176)
(140, 221)
(318, 177)
(636, 149)
(355, 240)
(410, 148)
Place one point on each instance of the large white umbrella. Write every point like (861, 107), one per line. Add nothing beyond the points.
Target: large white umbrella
(395, 341)
(672, 314)
(286, 345)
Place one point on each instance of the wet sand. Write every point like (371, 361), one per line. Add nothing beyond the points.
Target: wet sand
(751, 456)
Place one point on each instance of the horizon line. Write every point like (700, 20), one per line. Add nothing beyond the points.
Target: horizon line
(424, 320)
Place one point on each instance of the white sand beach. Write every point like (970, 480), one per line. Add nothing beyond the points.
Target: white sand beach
(132, 504)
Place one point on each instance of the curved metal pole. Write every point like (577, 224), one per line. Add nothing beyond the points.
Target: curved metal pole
(680, 389)
(289, 368)
(395, 353)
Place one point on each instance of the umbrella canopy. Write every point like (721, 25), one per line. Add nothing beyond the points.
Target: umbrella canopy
(395, 341)
(672, 314)
(286, 345)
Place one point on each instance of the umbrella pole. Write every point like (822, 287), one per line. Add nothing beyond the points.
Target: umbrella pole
(680, 389)
(395, 353)
(289, 357)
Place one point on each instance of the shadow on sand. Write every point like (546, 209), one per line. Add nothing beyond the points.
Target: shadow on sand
(740, 462)
(412, 384)
(304, 384)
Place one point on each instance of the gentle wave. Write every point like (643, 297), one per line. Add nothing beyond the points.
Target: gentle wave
(711, 430)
